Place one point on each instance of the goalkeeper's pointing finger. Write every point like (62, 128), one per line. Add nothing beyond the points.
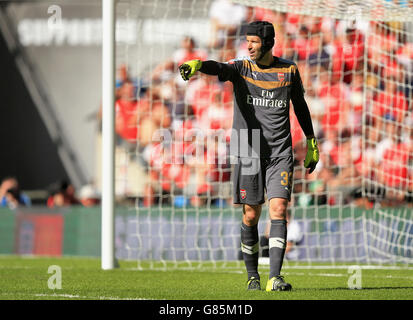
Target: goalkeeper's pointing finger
(184, 69)
(188, 68)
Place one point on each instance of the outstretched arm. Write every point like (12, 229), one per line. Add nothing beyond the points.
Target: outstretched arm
(210, 67)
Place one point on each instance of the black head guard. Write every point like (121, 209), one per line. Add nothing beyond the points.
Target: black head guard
(265, 31)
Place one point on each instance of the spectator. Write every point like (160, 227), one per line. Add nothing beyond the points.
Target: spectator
(294, 238)
(409, 193)
(334, 95)
(348, 54)
(62, 194)
(126, 106)
(370, 139)
(292, 23)
(392, 156)
(89, 196)
(122, 78)
(217, 115)
(201, 93)
(10, 194)
(317, 110)
(356, 102)
(249, 16)
(273, 16)
(317, 53)
(391, 100)
(167, 173)
(301, 43)
(225, 18)
(152, 114)
(125, 114)
(404, 57)
(380, 37)
(347, 157)
(187, 51)
(284, 46)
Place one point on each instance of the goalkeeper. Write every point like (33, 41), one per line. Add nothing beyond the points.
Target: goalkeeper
(261, 142)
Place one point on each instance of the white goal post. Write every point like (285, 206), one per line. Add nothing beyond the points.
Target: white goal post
(355, 58)
(108, 134)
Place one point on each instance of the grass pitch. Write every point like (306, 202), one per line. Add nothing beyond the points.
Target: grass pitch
(27, 278)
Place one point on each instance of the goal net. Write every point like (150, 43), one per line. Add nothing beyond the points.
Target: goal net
(173, 169)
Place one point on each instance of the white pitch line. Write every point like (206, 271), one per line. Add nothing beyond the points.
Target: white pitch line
(71, 296)
(316, 274)
(345, 275)
(348, 266)
(58, 295)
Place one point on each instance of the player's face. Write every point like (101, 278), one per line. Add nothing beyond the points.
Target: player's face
(254, 47)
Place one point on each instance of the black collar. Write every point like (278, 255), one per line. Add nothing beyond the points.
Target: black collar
(273, 64)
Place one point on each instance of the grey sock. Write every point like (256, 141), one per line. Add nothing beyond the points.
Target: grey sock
(250, 249)
(277, 244)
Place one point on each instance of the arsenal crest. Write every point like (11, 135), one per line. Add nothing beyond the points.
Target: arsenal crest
(243, 193)
(281, 76)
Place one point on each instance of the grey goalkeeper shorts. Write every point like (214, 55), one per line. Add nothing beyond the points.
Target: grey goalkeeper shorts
(253, 177)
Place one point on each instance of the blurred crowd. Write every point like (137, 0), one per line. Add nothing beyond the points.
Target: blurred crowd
(60, 194)
(358, 78)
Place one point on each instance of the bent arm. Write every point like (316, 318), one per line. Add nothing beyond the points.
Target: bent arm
(303, 114)
(304, 118)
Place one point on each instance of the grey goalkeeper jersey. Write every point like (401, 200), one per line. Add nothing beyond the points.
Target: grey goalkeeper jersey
(261, 122)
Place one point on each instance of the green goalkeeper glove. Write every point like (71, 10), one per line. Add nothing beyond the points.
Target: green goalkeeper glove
(312, 155)
(189, 68)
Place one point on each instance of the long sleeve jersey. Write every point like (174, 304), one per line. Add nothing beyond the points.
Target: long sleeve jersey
(262, 97)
